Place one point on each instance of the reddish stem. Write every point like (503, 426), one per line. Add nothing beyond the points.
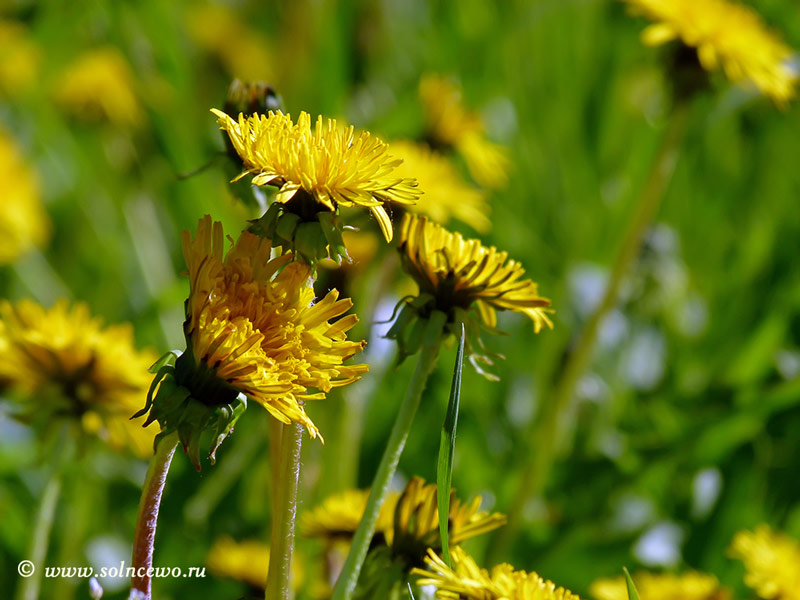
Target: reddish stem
(145, 537)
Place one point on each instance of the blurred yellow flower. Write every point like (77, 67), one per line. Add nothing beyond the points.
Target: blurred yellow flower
(69, 365)
(23, 221)
(450, 124)
(467, 581)
(772, 561)
(20, 59)
(727, 35)
(664, 586)
(252, 322)
(447, 195)
(459, 273)
(247, 561)
(321, 169)
(99, 86)
(416, 521)
(242, 51)
(339, 515)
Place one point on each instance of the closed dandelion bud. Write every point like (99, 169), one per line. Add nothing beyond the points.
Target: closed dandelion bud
(316, 171)
(253, 333)
(248, 98)
(460, 281)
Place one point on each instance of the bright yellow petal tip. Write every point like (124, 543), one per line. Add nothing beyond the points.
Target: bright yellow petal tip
(466, 581)
(253, 321)
(727, 35)
(460, 273)
(331, 164)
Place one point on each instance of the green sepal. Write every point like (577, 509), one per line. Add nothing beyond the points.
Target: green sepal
(286, 226)
(310, 241)
(332, 230)
(226, 420)
(168, 358)
(264, 226)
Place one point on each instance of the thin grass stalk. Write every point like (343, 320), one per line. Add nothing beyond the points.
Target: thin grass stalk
(547, 428)
(346, 584)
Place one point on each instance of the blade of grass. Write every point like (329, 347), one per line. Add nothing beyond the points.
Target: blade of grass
(447, 447)
(632, 593)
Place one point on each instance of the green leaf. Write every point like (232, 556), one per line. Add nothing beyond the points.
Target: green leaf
(447, 447)
(632, 593)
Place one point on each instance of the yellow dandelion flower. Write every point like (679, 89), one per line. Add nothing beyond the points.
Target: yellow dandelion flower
(219, 32)
(20, 60)
(416, 521)
(23, 220)
(727, 35)
(99, 86)
(459, 278)
(319, 169)
(450, 124)
(772, 560)
(466, 581)
(447, 195)
(339, 515)
(247, 561)
(664, 586)
(70, 366)
(252, 328)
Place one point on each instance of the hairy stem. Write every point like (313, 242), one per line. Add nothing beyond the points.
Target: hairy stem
(284, 513)
(145, 536)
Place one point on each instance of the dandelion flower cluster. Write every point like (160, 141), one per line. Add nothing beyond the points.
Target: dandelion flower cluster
(23, 221)
(466, 581)
(772, 560)
(99, 86)
(339, 515)
(76, 369)
(726, 35)
(252, 327)
(463, 279)
(663, 586)
(416, 521)
(450, 124)
(447, 195)
(330, 165)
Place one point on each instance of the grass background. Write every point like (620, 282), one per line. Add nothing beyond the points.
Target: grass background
(694, 385)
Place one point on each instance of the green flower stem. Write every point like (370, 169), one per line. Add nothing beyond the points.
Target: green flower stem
(145, 536)
(29, 587)
(350, 426)
(285, 513)
(346, 584)
(548, 427)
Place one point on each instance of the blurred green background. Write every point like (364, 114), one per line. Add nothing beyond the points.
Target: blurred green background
(683, 431)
